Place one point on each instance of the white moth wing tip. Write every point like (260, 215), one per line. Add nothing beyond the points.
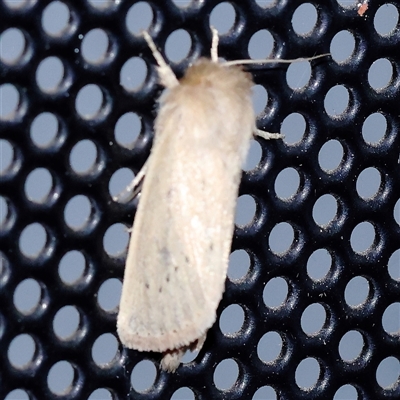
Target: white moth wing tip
(172, 341)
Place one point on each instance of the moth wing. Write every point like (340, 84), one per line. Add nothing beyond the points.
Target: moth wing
(178, 252)
(180, 244)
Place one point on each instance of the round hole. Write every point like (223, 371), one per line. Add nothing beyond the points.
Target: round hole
(95, 46)
(101, 394)
(351, 345)
(374, 128)
(349, 4)
(50, 74)
(119, 180)
(38, 185)
(245, 210)
(231, 319)
(275, 292)
(265, 393)
(281, 238)
(319, 264)
(347, 392)
(72, 267)
(13, 45)
(269, 347)
(60, 378)
(287, 183)
(78, 212)
(139, 18)
(336, 101)
(7, 156)
(183, 393)
(386, 19)
(259, 97)
(83, 157)
(356, 292)
(380, 74)
(342, 46)
(223, 17)
(298, 75)
(127, 130)
(266, 4)
(182, 3)
(16, 4)
(396, 212)
(177, 46)
(368, 183)
(90, 102)
(103, 5)
(133, 74)
(17, 394)
(388, 373)
(304, 19)
(44, 130)
(390, 319)
(324, 210)
(109, 295)
(189, 356)
(115, 240)
(21, 351)
(105, 349)
(27, 296)
(294, 128)
(143, 376)
(66, 322)
(394, 265)
(239, 264)
(307, 373)
(261, 45)
(313, 319)
(362, 237)
(330, 156)
(56, 19)
(10, 102)
(33, 240)
(226, 374)
(253, 156)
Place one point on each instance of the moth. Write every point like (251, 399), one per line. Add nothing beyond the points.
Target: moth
(181, 239)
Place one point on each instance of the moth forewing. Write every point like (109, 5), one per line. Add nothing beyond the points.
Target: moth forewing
(180, 243)
(178, 252)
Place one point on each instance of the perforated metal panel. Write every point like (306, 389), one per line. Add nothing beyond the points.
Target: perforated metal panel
(312, 302)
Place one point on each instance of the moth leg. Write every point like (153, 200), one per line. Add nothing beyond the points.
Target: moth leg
(267, 135)
(167, 76)
(133, 189)
(214, 45)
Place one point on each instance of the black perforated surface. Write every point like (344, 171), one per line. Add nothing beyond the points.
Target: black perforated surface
(380, 210)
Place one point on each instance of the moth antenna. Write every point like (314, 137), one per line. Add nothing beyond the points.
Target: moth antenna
(167, 76)
(214, 45)
(273, 61)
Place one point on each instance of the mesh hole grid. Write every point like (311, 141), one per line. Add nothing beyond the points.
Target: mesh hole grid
(311, 308)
